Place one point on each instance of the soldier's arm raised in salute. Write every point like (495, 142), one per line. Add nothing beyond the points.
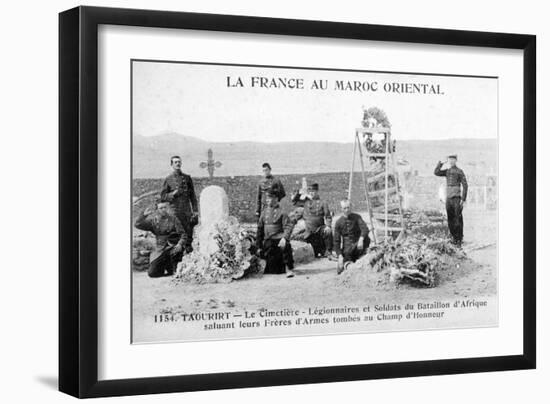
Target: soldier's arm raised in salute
(143, 222)
(438, 171)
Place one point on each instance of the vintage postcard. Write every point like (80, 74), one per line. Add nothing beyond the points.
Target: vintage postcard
(289, 201)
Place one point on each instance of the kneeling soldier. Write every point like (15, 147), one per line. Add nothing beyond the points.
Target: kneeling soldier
(170, 239)
(318, 221)
(351, 236)
(273, 237)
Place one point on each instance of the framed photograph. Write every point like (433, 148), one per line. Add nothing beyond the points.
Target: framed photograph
(251, 201)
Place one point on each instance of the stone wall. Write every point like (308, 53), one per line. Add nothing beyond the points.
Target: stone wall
(242, 190)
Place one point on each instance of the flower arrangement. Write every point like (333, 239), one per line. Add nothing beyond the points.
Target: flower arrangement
(234, 258)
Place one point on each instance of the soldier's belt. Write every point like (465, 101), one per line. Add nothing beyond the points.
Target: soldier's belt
(274, 236)
(315, 221)
(453, 191)
(351, 240)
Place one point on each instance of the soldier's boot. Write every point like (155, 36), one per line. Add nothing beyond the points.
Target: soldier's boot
(289, 273)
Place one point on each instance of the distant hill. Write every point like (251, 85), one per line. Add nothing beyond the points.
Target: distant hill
(151, 155)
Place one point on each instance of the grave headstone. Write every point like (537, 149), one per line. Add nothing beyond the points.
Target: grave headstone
(214, 208)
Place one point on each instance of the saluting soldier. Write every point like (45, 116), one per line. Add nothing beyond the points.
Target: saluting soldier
(318, 220)
(170, 239)
(457, 190)
(268, 182)
(351, 236)
(273, 237)
(178, 189)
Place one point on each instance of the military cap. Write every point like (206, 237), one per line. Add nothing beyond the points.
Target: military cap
(452, 156)
(314, 187)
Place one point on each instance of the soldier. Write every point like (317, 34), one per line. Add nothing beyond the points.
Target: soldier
(318, 219)
(351, 236)
(170, 239)
(178, 189)
(273, 237)
(268, 182)
(455, 196)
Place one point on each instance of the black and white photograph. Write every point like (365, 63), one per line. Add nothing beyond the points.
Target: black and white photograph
(277, 201)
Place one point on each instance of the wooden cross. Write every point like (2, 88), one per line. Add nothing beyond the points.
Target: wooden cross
(210, 164)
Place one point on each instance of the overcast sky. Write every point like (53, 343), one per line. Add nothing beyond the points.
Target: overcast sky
(195, 100)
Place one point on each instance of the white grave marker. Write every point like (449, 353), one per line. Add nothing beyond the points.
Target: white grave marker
(214, 208)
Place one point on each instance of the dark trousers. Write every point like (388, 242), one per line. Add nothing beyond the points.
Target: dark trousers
(350, 252)
(164, 265)
(276, 258)
(454, 218)
(188, 224)
(189, 231)
(321, 240)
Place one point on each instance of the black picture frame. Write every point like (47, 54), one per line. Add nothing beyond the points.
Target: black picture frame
(78, 200)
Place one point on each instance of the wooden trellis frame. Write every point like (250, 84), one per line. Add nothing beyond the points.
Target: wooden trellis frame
(389, 171)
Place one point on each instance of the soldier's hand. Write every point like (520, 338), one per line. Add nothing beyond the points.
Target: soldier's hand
(258, 214)
(176, 250)
(282, 243)
(259, 252)
(194, 218)
(360, 244)
(148, 210)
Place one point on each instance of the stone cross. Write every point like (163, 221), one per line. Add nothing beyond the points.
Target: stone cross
(214, 208)
(210, 164)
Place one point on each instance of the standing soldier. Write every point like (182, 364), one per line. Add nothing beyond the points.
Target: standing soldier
(351, 236)
(178, 189)
(170, 239)
(268, 183)
(273, 237)
(455, 196)
(318, 219)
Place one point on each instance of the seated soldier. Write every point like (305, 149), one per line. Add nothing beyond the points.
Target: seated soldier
(273, 237)
(170, 239)
(351, 236)
(318, 221)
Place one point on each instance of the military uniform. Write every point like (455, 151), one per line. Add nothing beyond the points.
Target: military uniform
(169, 232)
(347, 231)
(272, 184)
(318, 220)
(456, 179)
(274, 225)
(184, 202)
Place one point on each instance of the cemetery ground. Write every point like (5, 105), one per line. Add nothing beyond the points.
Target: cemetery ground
(317, 284)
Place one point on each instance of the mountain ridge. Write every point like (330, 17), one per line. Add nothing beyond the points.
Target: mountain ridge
(151, 155)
